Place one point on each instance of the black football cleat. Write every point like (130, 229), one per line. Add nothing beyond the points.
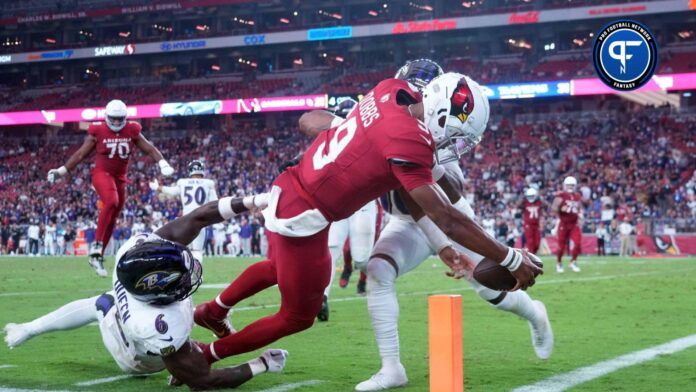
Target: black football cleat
(324, 312)
(345, 276)
(361, 287)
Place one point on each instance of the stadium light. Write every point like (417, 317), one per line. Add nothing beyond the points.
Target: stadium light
(294, 13)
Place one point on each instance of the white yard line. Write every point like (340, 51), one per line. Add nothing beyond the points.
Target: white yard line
(7, 366)
(291, 386)
(561, 382)
(10, 389)
(98, 381)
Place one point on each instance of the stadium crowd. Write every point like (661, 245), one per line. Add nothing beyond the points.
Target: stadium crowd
(635, 167)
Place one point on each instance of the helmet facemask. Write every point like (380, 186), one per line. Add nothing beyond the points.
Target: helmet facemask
(116, 124)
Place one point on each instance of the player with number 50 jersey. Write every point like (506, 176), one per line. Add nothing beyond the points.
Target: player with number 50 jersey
(194, 191)
(113, 141)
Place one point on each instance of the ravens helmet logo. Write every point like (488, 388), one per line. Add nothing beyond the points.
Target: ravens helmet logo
(157, 280)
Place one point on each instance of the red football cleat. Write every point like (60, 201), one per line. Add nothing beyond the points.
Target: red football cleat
(220, 327)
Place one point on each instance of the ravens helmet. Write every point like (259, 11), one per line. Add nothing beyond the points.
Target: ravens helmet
(196, 167)
(159, 272)
(419, 72)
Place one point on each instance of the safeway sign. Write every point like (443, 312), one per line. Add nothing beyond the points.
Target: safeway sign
(114, 50)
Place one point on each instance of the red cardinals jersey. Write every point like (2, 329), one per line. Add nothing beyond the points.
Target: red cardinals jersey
(114, 148)
(532, 212)
(570, 207)
(377, 148)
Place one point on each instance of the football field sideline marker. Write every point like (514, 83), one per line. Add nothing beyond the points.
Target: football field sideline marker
(105, 380)
(561, 382)
(291, 386)
(446, 343)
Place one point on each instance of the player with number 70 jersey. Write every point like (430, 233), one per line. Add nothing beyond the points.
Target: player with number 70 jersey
(114, 141)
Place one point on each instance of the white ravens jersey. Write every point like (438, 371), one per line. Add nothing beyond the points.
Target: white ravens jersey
(395, 206)
(194, 192)
(140, 333)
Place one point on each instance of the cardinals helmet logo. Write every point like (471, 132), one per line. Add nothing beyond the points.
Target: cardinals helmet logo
(462, 101)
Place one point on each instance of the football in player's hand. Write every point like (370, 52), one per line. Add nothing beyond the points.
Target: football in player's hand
(496, 277)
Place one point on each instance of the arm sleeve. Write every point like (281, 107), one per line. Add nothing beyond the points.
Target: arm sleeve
(92, 129)
(411, 177)
(213, 192)
(171, 190)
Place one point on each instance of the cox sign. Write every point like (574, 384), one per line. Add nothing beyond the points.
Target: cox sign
(258, 39)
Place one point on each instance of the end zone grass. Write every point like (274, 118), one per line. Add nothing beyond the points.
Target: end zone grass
(613, 307)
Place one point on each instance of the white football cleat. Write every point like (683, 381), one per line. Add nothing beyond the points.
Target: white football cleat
(559, 268)
(98, 264)
(574, 267)
(16, 334)
(95, 249)
(542, 334)
(384, 379)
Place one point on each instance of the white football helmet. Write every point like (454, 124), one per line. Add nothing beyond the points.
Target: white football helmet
(569, 183)
(115, 115)
(531, 194)
(456, 113)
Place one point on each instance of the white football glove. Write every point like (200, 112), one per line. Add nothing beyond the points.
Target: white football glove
(53, 174)
(275, 359)
(154, 185)
(165, 168)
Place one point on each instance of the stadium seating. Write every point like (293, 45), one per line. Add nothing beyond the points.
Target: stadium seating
(605, 155)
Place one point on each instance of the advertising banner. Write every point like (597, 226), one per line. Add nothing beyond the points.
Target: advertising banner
(170, 109)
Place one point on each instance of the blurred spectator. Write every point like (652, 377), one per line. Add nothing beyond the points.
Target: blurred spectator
(33, 232)
(602, 239)
(245, 234)
(626, 234)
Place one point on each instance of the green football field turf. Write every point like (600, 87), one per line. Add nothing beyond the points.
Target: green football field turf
(613, 307)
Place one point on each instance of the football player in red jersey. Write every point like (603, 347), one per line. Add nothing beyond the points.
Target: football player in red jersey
(382, 145)
(531, 216)
(113, 141)
(568, 206)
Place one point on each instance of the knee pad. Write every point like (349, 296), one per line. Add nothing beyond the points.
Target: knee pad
(380, 273)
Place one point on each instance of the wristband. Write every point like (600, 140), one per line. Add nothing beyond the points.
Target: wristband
(336, 121)
(437, 238)
(62, 170)
(512, 261)
(225, 208)
(258, 366)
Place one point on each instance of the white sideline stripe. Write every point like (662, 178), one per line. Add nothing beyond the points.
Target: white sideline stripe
(581, 375)
(9, 389)
(7, 366)
(102, 380)
(291, 386)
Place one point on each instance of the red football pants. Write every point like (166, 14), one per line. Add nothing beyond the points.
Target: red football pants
(112, 193)
(532, 234)
(566, 232)
(300, 266)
